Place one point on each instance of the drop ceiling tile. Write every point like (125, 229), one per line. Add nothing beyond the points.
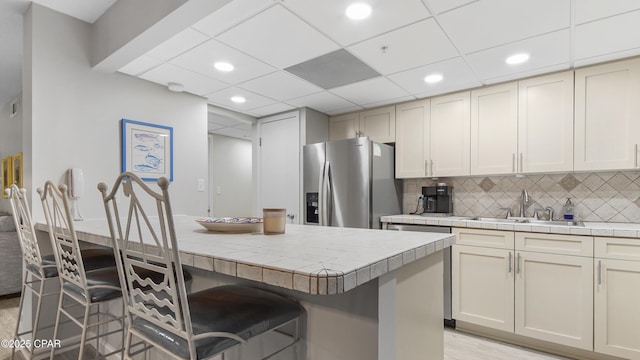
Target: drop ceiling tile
(193, 83)
(222, 120)
(140, 65)
(527, 73)
(223, 98)
(412, 46)
(370, 91)
(178, 44)
(201, 59)
(544, 50)
(329, 17)
(229, 15)
(325, 102)
(280, 86)
(440, 6)
(588, 10)
(389, 101)
(278, 37)
(614, 34)
(234, 132)
(456, 75)
(343, 111)
(271, 109)
(215, 126)
(485, 24)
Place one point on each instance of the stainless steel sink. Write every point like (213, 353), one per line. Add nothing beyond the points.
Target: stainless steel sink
(491, 219)
(556, 222)
(519, 220)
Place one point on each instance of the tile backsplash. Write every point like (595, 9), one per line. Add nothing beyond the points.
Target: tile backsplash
(606, 196)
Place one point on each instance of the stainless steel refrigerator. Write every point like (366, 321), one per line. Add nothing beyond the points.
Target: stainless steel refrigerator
(350, 183)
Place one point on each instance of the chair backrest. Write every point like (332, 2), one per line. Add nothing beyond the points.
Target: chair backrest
(63, 235)
(24, 227)
(147, 242)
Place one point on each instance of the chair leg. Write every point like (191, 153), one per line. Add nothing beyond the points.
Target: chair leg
(36, 320)
(57, 324)
(83, 339)
(22, 296)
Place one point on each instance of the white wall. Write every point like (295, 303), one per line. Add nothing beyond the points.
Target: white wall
(10, 139)
(75, 114)
(231, 162)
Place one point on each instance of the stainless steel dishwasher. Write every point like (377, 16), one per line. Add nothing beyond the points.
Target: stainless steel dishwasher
(448, 320)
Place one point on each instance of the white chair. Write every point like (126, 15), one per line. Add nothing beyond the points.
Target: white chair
(195, 326)
(39, 268)
(79, 288)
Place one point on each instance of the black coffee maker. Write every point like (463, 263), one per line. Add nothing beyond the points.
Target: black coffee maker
(438, 199)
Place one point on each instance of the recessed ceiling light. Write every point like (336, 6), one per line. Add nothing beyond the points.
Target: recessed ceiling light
(223, 66)
(238, 99)
(517, 59)
(358, 11)
(433, 78)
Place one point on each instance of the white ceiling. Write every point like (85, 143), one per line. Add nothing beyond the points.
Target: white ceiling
(466, 41)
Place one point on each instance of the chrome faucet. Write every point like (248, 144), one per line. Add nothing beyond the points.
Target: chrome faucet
(524, 200)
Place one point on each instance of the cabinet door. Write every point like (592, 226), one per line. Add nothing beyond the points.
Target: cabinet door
(545, 123)
(617, 308)
(494, 129)
(554, 298)
(412, 139)
(482, 286)
(607, 109)
(379, 124)
(345, 126)
(449, 133)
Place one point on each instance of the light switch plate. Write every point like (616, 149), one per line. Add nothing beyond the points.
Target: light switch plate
(200, 184)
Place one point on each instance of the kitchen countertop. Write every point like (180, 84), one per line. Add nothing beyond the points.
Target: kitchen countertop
(629, 230)
(310, 259)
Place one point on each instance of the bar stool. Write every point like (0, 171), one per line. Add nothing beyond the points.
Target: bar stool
(79, 288)
(195, 326)
(39, 268)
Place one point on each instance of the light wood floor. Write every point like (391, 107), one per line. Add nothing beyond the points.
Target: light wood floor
(462, 346)
(457, 345)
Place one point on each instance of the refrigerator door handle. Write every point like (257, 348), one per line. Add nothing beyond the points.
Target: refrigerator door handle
(328, 210)
(321, 197)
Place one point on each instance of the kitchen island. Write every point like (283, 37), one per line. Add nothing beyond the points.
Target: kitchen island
(368, 294)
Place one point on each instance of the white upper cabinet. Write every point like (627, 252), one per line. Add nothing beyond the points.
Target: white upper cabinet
(607, 112)
(345, 126)
(545, 123)
(412, 139)
(494, 129)
(377, 124)
(449, 135)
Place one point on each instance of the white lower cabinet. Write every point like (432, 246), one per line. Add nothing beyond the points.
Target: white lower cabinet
(554, 298)
(482, 289)
(617, 297)
(544, 294)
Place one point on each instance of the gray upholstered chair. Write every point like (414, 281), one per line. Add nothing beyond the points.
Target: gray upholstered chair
(80, 288)
(195, 326)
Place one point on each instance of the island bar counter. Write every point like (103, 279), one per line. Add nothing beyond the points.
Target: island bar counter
(368, 294)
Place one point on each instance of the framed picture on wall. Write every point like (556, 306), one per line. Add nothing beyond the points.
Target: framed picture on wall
(16, 170)
(147, 150)
(7, 175)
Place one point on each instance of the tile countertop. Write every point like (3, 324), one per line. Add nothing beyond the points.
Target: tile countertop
(310, 259)
(628, 230)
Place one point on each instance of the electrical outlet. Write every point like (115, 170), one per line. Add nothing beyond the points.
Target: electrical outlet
(200, 184)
